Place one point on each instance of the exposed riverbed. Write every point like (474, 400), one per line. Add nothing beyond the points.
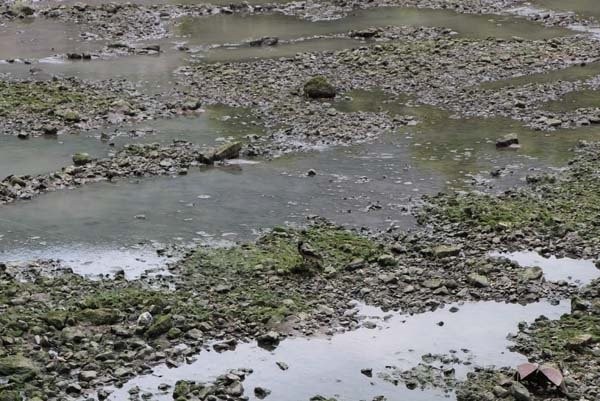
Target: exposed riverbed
(161, 161)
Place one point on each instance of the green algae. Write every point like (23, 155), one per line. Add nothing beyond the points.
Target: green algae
(49, 98)
(278, 251)
(551, 205)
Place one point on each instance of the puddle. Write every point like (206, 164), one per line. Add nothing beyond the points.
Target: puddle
(579, 271)
(332, 367)
(94, 262)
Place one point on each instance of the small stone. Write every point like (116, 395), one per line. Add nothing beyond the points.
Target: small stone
(444, 251)
(88, 375)
(478, 280)
(145, 319)
(532, 273)
(261, 392)
(282, 365)
(367, 372)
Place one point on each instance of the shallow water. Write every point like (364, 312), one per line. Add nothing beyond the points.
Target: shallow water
(578, 271)
(574, 100)
(331, 367)
(573, 73)
(365, 185)
(37, 38)
(46, 154)
(235, 28)
(586, 8)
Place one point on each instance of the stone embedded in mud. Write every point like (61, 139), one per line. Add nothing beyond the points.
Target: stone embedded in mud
(318, 88)
(507, 141)
(81, 159)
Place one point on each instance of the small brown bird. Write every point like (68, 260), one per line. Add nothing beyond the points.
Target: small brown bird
(309, 255)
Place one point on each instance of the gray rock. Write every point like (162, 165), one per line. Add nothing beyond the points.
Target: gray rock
(520, 392)
(507, 140)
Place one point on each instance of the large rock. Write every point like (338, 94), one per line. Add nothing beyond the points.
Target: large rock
(520, 392)
(16, 365)
(318, 88)
(161, 326)
(228, 151)
(507, 141)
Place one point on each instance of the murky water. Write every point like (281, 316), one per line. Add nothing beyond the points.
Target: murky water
(575, 100)
(586, 8)
(573, 73)
(332, 367)
(37, 38)
(46, 154)
(233, 28)
(579, 271)
(366, 185)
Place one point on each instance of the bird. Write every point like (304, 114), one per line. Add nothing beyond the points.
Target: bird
(308, 254)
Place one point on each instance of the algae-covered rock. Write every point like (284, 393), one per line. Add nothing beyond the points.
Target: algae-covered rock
(16, 365)
(98, 317)
(81, 159)
(160, 326)
(319, 87)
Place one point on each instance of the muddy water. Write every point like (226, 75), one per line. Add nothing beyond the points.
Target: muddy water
(574, 73)
(575, 100)
(45, 154)
(38, 38)
(233, 28)
(365, 185)
(332, 367)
